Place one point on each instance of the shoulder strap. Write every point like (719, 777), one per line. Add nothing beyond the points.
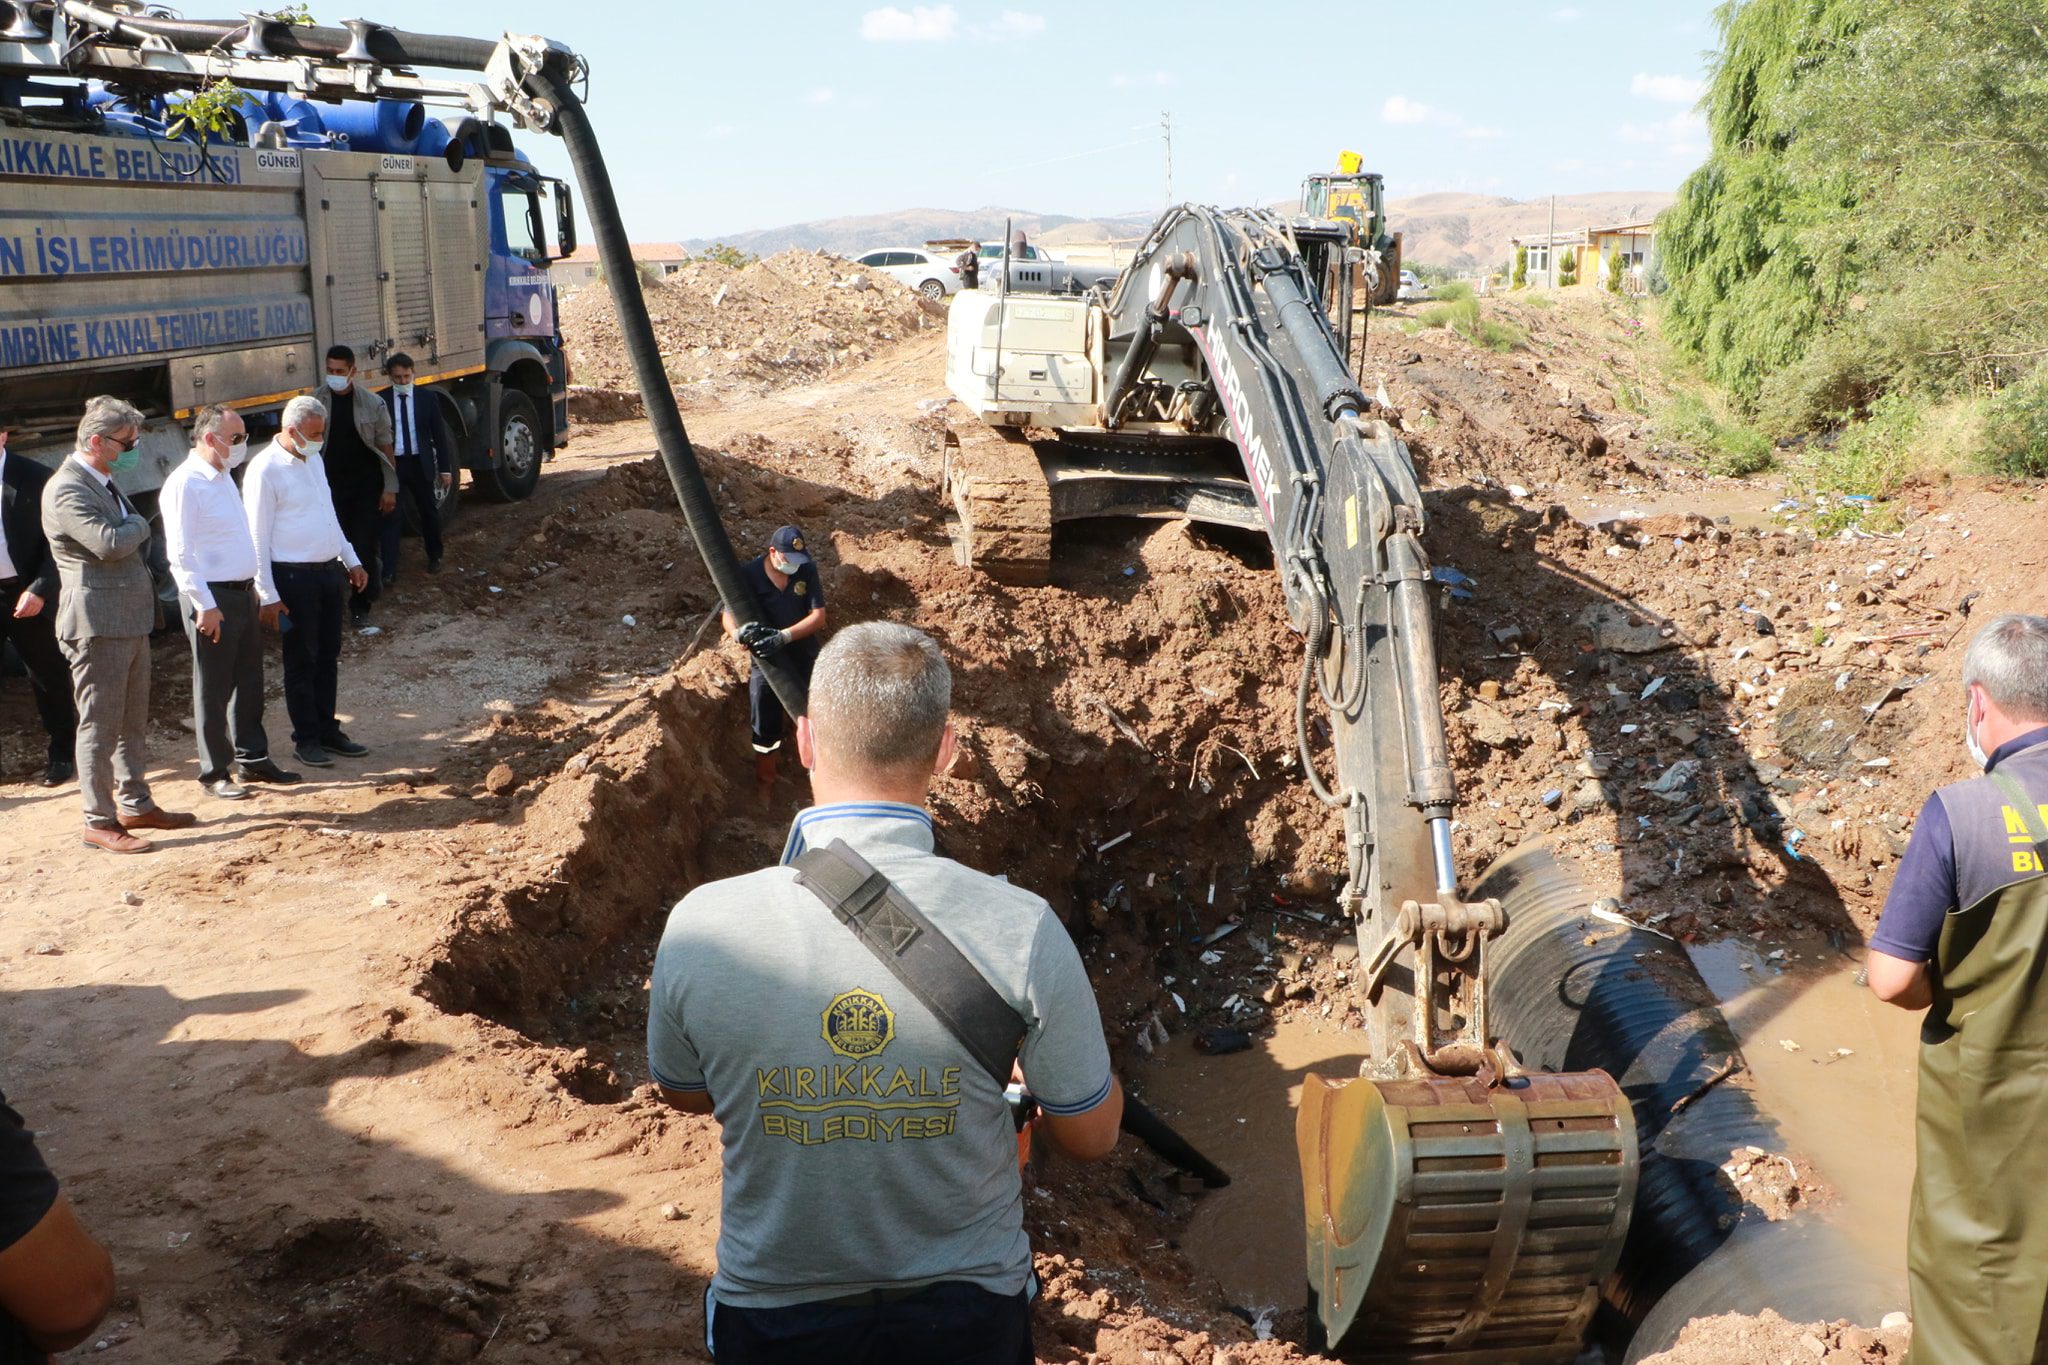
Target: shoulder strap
(2028, 808)
(916, 953)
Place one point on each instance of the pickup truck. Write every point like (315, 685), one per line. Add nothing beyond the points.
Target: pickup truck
(1040, 272)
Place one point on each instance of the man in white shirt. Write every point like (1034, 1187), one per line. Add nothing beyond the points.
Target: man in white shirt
(304, 567)
(213, 559)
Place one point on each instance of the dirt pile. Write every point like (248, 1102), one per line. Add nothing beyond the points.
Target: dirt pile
(787, 319)
(1768, 1339)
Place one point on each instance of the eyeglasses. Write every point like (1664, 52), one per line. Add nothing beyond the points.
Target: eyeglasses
(126, 446)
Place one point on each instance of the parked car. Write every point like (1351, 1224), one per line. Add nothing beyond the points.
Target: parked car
(1411, 288)
(929, 273)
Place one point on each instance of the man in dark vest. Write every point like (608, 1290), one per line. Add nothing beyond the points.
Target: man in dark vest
(1964, 936)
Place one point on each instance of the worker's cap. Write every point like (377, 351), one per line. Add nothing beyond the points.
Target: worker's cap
(789, 543)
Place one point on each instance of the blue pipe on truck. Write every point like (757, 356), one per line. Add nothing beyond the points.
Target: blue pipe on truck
(391, 126)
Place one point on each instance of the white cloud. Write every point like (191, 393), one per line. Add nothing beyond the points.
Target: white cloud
(1401, 109)
(1570, 14)
(1142, 80)
(1683, 136)
(1667, 89)
(1013, 24)
(919, 24)
(1479, 134)
(718, 131)
(822, 95)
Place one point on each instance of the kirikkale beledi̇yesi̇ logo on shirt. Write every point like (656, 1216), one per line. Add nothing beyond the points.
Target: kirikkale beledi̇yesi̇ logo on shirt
(859, 1023)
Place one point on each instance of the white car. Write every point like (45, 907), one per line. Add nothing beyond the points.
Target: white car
(1411, 288)
(929, 273)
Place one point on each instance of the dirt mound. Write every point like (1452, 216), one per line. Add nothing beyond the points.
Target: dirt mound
(793, 317)
(1769, 1338)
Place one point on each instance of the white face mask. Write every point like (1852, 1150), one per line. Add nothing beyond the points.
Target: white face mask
(781, 565)
(403, 390)
(308, 449)
(336, 383)
(237, 453)
(1977, 754)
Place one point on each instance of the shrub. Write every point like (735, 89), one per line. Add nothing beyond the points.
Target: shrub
(1726, 448)
(1521, 279)
(2016, 429)
(1872, 456)
(1568, 268)
(1616, 271)
(725, 255)
(1461, 315)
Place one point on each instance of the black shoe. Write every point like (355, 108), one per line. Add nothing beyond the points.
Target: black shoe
(263, 770)
(60, 771)
(227, 789)
(359, 617)
(434, 566)
(339, 743)
(312, 755)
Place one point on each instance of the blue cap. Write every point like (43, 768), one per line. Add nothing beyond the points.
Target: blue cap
(789, 543)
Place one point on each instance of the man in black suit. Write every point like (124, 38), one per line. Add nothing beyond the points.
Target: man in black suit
(28, 606)
(426, 458)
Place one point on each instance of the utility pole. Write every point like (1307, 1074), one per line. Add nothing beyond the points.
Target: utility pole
(1166, 126)
(1550, 248)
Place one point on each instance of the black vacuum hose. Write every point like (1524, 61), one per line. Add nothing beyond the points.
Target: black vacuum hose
(677, 454)
(1573, 993)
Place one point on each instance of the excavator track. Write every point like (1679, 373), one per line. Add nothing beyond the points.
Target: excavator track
(1003, 507)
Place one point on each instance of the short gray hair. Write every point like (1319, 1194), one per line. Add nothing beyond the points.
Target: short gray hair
(299, 409)
(880, 694)
(209, 420)
(2009, 659)
(106, 415)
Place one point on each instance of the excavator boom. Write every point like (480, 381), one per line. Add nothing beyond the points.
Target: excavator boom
(1456, 1209)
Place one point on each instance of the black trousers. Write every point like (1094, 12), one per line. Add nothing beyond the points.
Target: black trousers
(35, 639)
(227, 682)
(414, 483)
(765, 716)
(363, 524)
(949, 1323)
(313, 602)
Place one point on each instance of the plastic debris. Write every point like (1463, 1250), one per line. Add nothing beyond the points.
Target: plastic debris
(379, 630)
(1552, 797)
(1656, 686)
(1223, 930)
(627, 620)
(130, 898)
(1789, 1045)
(1109, 844)
(1220, 1042)
(1458, 582)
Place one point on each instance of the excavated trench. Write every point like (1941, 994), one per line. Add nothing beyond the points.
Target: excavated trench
(1123, 758)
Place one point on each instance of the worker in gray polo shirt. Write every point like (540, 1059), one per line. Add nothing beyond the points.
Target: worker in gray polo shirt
(872, 1208)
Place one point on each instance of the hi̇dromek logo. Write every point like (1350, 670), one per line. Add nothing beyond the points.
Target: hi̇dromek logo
(859, 1024)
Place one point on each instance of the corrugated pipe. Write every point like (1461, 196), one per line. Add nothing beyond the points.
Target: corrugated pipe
(1575, 993)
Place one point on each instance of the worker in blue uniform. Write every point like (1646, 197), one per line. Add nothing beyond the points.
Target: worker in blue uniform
(790, 605)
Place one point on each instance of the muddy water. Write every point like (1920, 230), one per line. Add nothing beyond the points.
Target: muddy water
(1239, 1111)
(1852, 1116)
(1743, 506)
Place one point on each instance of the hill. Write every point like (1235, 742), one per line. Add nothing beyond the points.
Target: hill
(1458, 231)
(1467, 231)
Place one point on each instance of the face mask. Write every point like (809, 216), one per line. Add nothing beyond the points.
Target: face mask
(1977, 754)
(126, 460)
(337, 383)
(782, 565)
(308, 449)
(237, 453)
(403, 390)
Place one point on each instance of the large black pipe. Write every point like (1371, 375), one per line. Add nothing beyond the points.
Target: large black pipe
(1573, 993)
(678, 456)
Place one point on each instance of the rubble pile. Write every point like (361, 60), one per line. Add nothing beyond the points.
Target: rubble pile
(786, 319)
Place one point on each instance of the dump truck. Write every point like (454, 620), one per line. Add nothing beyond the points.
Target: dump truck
(180, 239)
(1459, 1207)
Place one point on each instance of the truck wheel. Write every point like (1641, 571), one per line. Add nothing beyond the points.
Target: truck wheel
(935, 290)
(521, 439)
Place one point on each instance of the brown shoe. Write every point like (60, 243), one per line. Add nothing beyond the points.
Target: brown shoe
(160, 819)
(116, 840)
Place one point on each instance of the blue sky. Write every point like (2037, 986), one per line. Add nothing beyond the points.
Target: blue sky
(721, 118)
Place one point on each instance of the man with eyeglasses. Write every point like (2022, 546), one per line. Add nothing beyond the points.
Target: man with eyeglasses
(106, 609)
(213, 559)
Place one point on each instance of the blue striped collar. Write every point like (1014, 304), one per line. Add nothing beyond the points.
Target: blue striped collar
(862, 824)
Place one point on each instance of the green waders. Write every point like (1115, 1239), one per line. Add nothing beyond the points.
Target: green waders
(1978, 1250)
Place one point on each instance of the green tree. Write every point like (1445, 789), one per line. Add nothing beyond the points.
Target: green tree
(1616, 271)
(725, 255)
(1521, 276)
(1568, 268)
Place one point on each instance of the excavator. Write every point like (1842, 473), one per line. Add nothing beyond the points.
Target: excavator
(1459, 1208)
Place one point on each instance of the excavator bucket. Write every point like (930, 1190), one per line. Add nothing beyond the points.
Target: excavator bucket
(1458, 1223)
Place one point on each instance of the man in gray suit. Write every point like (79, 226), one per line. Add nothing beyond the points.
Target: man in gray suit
(105, 612)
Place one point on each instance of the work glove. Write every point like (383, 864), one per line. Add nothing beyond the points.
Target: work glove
(762, 640)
